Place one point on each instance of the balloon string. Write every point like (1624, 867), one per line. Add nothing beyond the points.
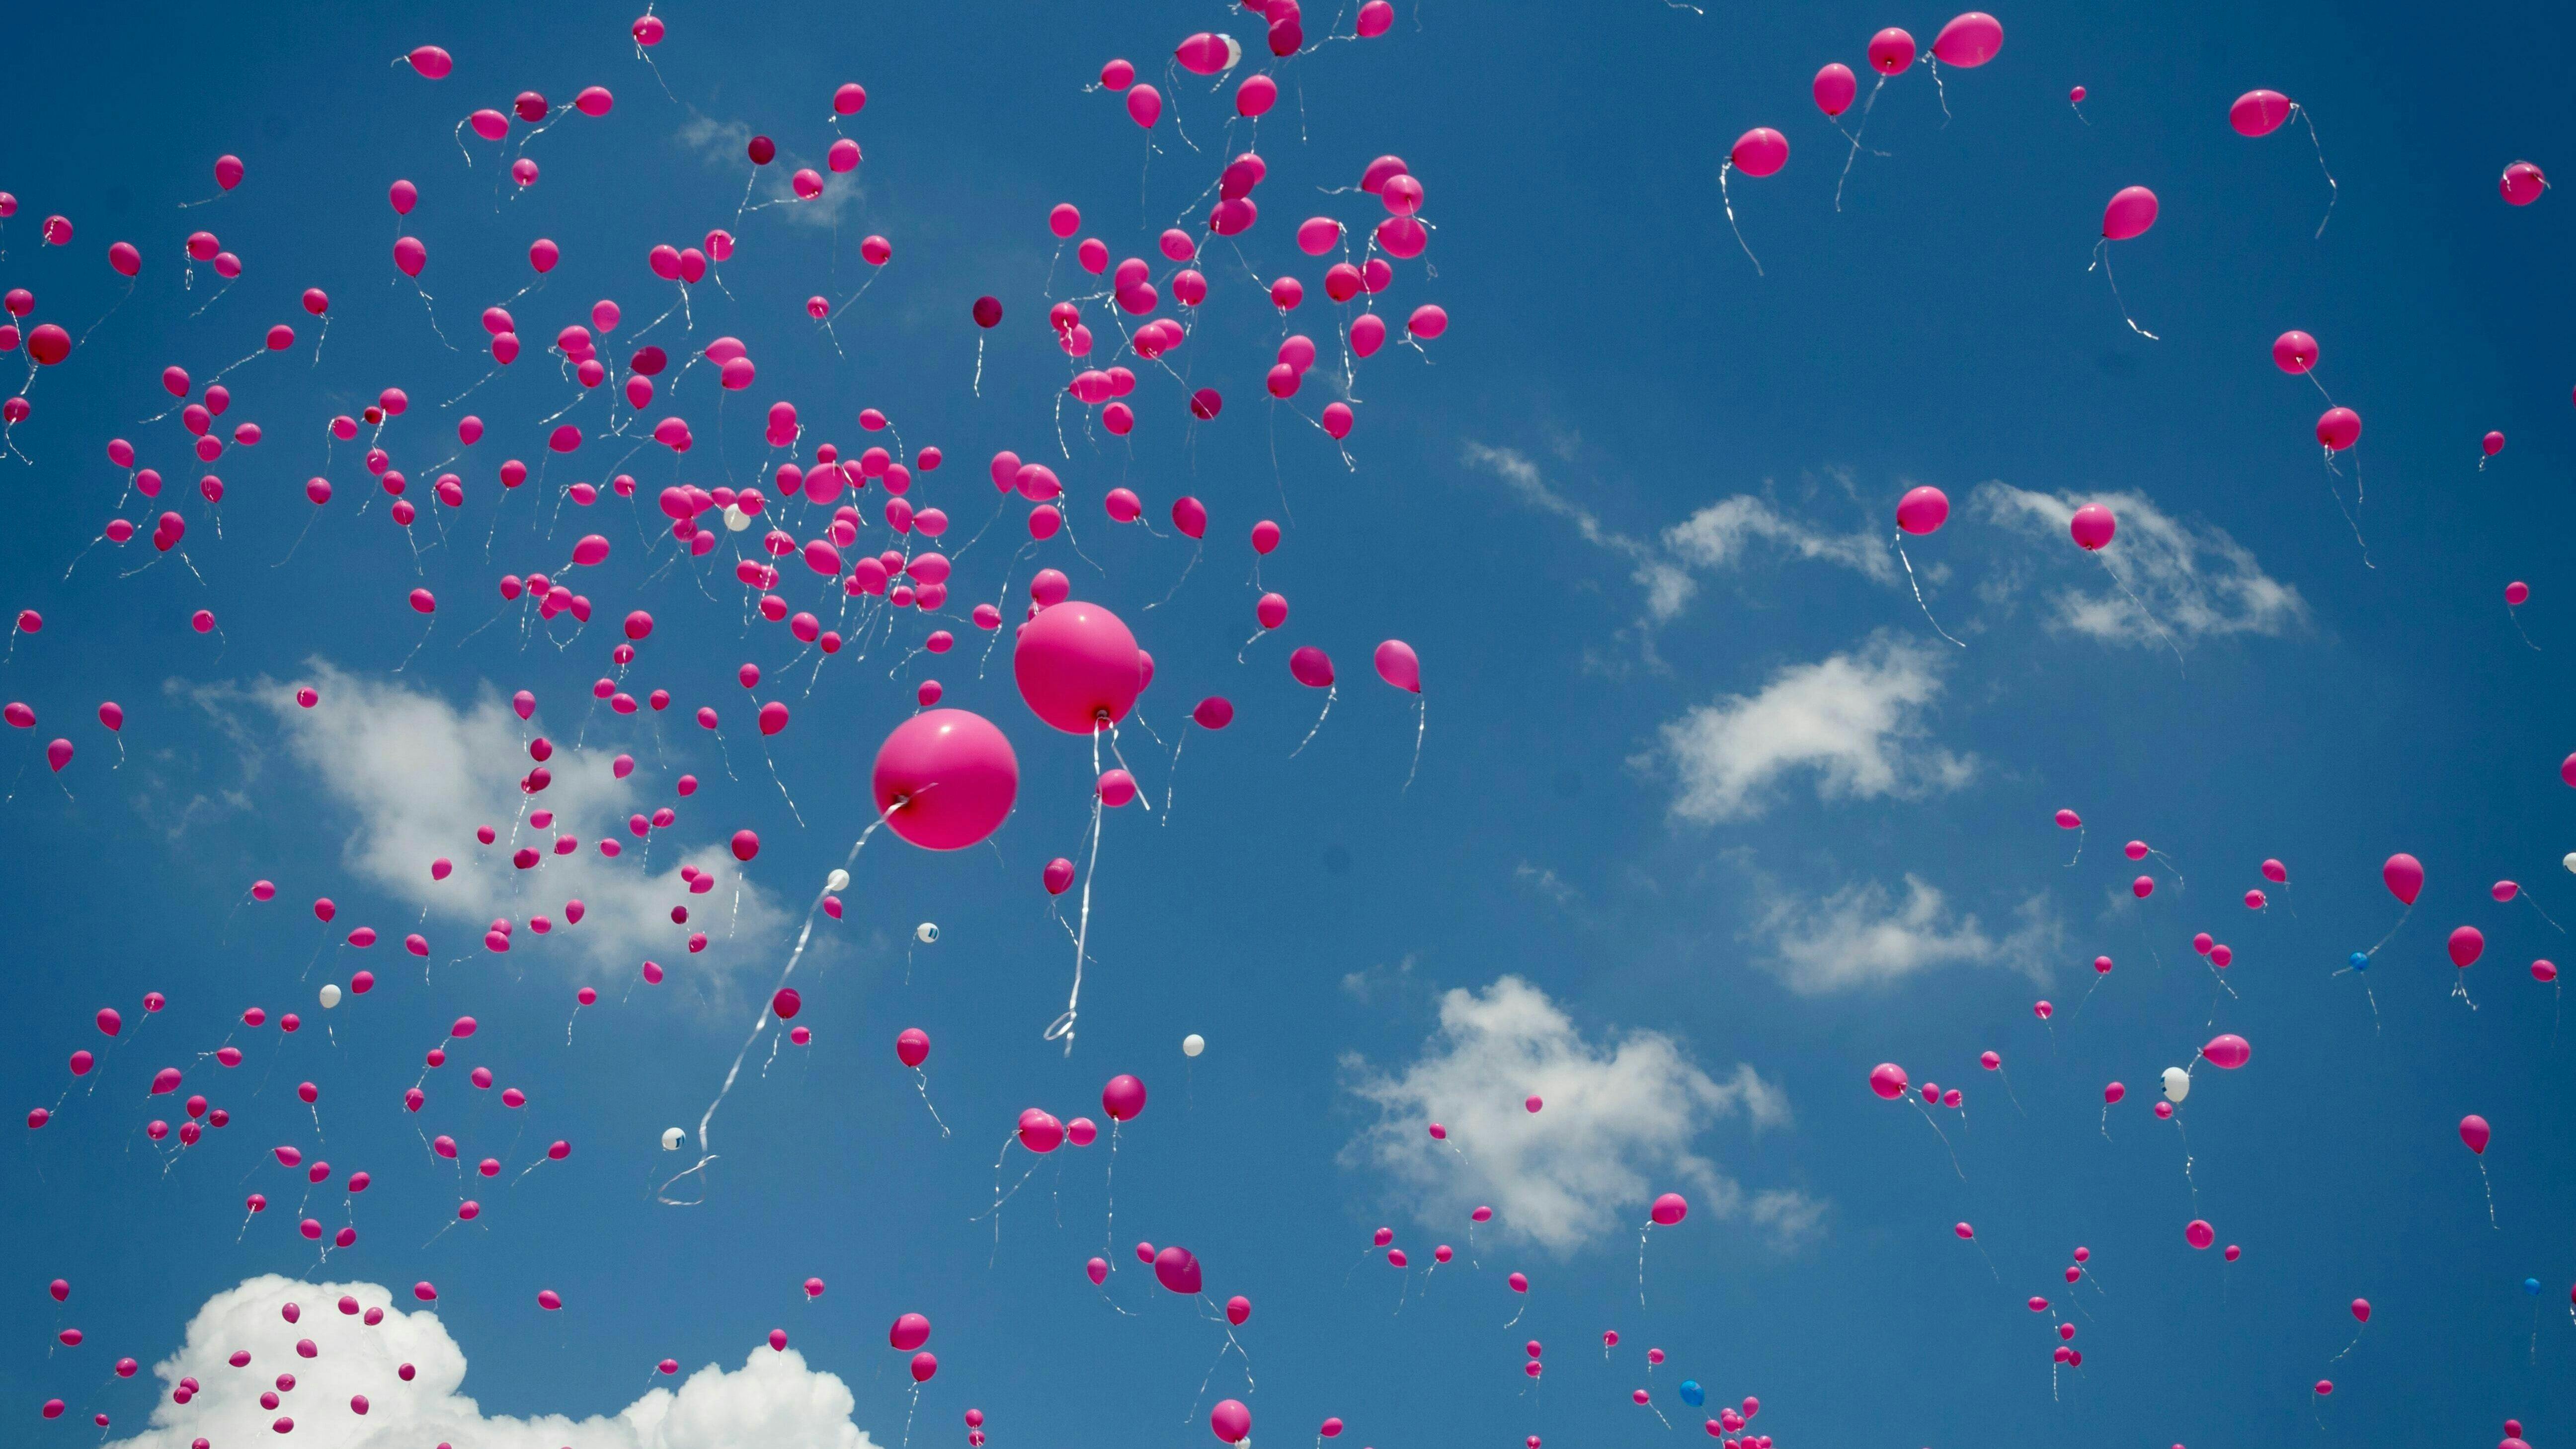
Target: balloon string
(2393, 930)
(1729, 203)
(1937, 1132)
(2544, 915)
(1918, 594)
(1062, 1026)
(1171, 777)
(921, 1083)
(1641, 1270)
(1421, 721)
(2489, 1184)
(2152, 621)
(2333, 192)
(2508, 613)
(1856, 133)
(2079, 848)
(2347, 1348)
(1330, 693)
(2102, 255)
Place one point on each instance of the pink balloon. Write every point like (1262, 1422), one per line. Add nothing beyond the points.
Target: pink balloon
(1123, 1098)
(2522, 183)
(1144, 106)
(912, 1046)
(1759, 152)
(1077, 667)
(2338, 429)
(1668, 1209)
(945, 779)
(1969, 40)
(2199, 1233)
(2131, 212)
(1923, 510)
(909, 1331)
(1177, 1269)
(2474, 1133)
(1230, 1421)
(2466, 945)
(1891, 51)
(410, 256)
(1312, 667)
(1398, 665)
(2294, 352)
(2403, 874)
(2258, 113)
(1887, 1079)
(1834, 88)
(2092, 527)
(432, 62)
(2229, 1051)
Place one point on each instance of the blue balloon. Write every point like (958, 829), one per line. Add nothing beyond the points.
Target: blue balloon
(1694, 1396)
(2531, 1286)
(2360, 961)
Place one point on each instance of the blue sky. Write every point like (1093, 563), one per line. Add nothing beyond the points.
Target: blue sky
(1708, 819)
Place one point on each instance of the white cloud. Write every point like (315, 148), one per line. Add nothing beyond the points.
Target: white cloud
(1617, 1126)
(1861, 936)
(1668, 586)
(1852, 719)
(722, 145)
(421, 774)
(772, 1402)
(2189, 580)
(1720, 535)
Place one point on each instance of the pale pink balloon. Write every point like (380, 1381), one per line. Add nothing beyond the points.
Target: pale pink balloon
(2258, 113)
(1077, 667)
(1398, 665)
(1759, 152)
(2092, 527)
(1969, 40)
(1922, 510)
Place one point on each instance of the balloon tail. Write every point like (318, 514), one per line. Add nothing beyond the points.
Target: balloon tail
(1197, 547)
(2008, 1090)
(1517, 1312)
(2544, 915)
(1939, 89)
(2508, 613)
(1641, 1269)
(1421, 721)
(1063, 1026)
(1918, 597)
(2102, 255)
(1990, 1262)
(1729, 202)
(921, 1084)
(2393, 930)
(1330, 692)
(2079, 848)
(1248, 643)
(2144, 612)
(2488, 1183)
(2106, 1121)
(979, 359)
(1945, 1140)
(2355, 524)
(2347, 1348)
(1650, 1404)
(1855, 134)
(2460, 989)
(2333, 192)
(782, 787)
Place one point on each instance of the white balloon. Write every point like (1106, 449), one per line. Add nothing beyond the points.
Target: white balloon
(330, 995)
(2570, 861)
(2177, 1084)
(1233, 51)
(838, 880)
(735, 519)
(1193, 1044)
(672, 1137)
(927, 933)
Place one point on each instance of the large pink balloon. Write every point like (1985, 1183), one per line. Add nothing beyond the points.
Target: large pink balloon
(1123, 1098)
(2404, 876)
(2258, 113)
(2338, 428)
(2131, 212)
(1834, 88)
(2474, 1132)
(1669, 1209)
(1230, 1421)
(1887, 1079)
(954, 775)
(2522, 184)
(2466, 945)
(1312, 667)
(1177, 1269)
(1398, 665)
(1922, 510)
(2294, 351)
(1760, 151)
(1969, 40)
(2229, 1051)
(1077, 665)
(2092, 527)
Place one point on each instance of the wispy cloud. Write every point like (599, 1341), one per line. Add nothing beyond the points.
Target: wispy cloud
(2192, 580)
(1668, 586)
(420, 774)
(1855, 720)
(1723, 534)
(1618, 1125)
(1862, 936)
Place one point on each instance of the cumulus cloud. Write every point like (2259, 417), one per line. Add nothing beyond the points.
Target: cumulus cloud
(1721, 535)
(2166, 575)
(1618, 1125)
(1854, 720)
(722, 145)
(1668, 586)
(772, 1402)
(420, 774)
(1862, 936)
